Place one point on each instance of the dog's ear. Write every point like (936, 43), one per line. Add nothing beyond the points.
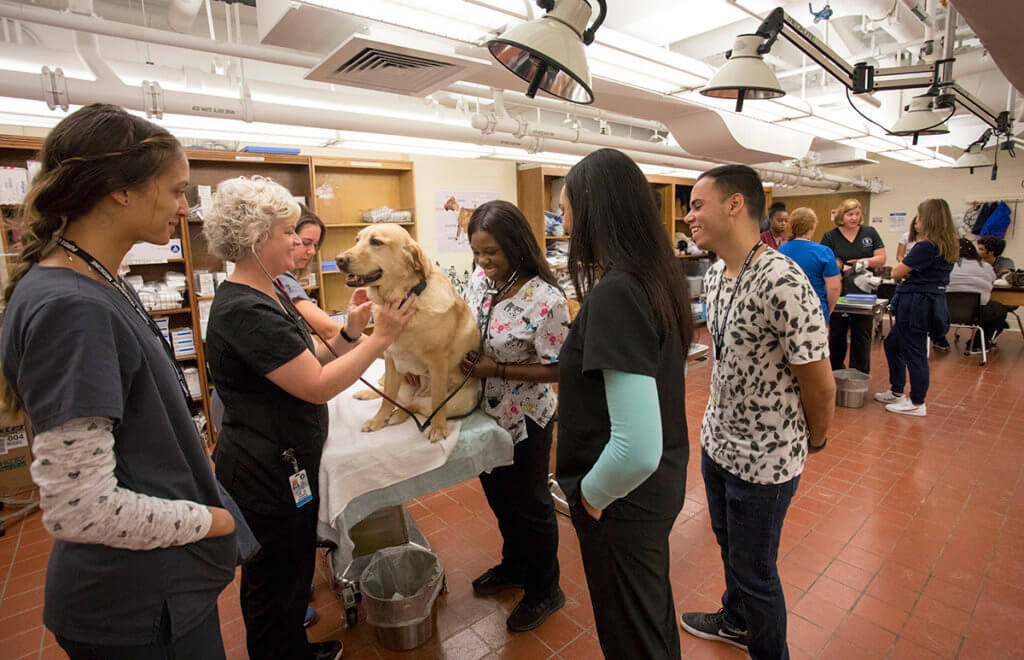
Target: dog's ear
(416, 258)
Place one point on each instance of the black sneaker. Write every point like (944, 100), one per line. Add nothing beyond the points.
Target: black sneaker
(712, 625)
(941, 346)
(527, 616)
(495, 580)
(326, 650)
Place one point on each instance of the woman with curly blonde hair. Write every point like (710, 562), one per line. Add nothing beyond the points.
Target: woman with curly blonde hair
(274, 382)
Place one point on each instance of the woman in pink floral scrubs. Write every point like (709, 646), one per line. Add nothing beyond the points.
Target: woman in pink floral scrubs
(519, 362)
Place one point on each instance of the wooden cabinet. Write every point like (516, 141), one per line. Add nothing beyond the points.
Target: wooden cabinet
(342, 190)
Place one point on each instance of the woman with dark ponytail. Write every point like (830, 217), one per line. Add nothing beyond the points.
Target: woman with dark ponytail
(622, 446)
(144, 544)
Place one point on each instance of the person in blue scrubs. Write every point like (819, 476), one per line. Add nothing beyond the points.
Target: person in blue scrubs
(813, 258)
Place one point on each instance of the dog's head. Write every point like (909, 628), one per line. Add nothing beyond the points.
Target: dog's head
(384, 255)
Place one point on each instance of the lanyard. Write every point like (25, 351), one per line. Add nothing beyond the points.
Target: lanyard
(488, 303)
(721, 320)
(118, 284)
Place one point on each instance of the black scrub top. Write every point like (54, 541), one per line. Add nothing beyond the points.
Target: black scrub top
(863, 246)
(249, 335)
(616, 329)
(73, 347)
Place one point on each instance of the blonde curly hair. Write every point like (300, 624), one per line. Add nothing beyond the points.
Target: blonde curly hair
(244, 211)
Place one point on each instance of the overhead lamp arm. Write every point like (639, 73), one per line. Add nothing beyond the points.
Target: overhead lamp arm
(863, 78)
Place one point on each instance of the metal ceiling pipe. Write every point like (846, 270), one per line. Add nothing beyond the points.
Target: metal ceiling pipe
(513, 98)
(99, 26)
(26, 85)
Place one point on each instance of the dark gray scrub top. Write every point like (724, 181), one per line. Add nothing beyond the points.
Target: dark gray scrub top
(73, 347)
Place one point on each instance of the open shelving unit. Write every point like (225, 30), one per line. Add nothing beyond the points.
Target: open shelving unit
(343, 189)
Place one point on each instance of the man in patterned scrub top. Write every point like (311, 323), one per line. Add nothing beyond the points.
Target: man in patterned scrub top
(772, 399)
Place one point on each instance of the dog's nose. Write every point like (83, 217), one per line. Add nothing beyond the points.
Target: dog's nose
(342, 262)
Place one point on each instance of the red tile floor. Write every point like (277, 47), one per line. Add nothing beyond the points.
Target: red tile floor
(904, 541)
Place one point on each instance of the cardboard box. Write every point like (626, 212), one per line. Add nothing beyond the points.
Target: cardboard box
(15, 456)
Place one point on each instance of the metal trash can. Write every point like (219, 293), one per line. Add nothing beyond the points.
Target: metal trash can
(399, 587)
(851, 387)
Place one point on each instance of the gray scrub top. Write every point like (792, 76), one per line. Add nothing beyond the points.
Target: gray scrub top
(73, 347)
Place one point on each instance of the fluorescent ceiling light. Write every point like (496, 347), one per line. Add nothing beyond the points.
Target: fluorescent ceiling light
(464, 21)
(874, 144)
(821, 127)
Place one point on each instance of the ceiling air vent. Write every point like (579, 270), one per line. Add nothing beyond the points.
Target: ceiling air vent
(373, 64)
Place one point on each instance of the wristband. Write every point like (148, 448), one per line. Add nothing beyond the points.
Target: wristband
(344, 335)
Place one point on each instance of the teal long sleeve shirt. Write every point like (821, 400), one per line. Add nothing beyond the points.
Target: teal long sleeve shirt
(633, 451)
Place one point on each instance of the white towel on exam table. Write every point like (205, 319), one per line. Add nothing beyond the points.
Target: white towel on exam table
(354, 462)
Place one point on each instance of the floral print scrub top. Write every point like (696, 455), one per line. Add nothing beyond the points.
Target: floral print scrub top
(526, 328)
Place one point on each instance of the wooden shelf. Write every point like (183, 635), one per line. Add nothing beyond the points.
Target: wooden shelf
(556, 238)
(553, 267)
(186, 358)
(173, 260)
(352, 225)
(169, 312)
(201, 298)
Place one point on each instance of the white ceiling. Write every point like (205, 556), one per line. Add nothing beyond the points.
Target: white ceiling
(646, 56)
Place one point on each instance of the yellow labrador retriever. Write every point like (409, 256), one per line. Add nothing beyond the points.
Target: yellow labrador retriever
(390, 264)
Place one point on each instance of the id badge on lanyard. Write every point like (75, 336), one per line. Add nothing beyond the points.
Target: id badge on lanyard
(299, 481)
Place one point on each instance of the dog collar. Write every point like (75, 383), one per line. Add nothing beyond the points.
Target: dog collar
(416, 290)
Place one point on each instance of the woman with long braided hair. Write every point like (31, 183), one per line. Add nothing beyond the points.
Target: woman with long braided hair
(144, 544)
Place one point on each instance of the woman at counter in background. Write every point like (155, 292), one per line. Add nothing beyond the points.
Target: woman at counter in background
(919, 307)
(853, 244)
(310, 231)
(817, 261)
(274, 383)
(521, 344)
(971, 273)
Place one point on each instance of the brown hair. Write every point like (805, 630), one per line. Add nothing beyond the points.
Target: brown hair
(844, 208)
(801, 221)
(937, 226)
(94, 151)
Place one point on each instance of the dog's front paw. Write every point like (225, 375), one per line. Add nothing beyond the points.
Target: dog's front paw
(365, 395)
(438, 433)
(375, 424)
(397, 417)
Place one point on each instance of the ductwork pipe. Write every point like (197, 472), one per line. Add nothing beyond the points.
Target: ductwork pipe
(99, 26)
(181, 14)
(491, 124)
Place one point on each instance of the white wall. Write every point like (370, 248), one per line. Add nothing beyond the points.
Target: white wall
(456, 174)
(912, 184)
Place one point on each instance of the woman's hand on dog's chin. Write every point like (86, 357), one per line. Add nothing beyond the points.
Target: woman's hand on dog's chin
(391, 320)
(485, 366)
(359, 310)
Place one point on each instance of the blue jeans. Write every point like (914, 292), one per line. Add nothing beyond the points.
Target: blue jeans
(747, 520)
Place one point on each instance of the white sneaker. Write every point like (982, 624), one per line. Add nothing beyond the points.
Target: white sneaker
(906, 407)
(889, 396)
